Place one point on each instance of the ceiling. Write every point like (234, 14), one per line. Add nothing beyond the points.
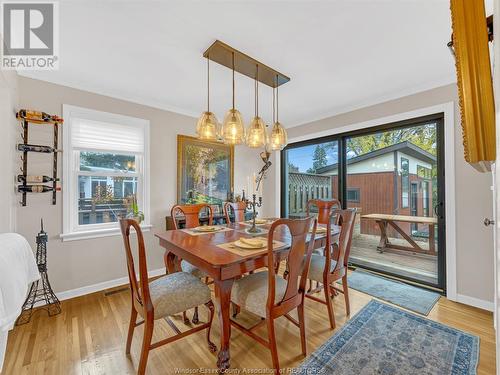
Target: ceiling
(340, 55)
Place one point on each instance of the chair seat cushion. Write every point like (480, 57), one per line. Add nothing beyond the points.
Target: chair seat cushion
(318, 251)
(193, 270)
(250, 292)
(317, 266)
(177, 292)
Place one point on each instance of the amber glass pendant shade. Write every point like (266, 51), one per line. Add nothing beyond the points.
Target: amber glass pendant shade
(279, 138)
(233, 130)
(208, 127)
(256, 134)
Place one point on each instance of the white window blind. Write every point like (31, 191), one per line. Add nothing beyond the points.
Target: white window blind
(105, 136)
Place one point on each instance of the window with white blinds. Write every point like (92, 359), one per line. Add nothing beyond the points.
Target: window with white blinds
(106, 160)
(106, 136)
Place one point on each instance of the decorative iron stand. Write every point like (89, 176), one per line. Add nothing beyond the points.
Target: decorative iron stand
(252, 205)
(40, 290)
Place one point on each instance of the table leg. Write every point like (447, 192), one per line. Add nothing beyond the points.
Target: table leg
(170, 261)
(223, 300)
(383, 235)
(432, 240)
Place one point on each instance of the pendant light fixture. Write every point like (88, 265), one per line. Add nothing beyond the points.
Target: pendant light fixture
(233, 129)
(207, 127)
(279, 138)
(256, 134)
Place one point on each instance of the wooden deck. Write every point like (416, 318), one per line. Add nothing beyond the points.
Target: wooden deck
(407, 264)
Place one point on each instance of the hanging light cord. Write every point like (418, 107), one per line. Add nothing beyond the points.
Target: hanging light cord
(274, 110)
(208, 83)
(257, 92)
(233, 80)
(277, 100)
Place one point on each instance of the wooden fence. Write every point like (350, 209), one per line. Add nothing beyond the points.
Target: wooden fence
(305, 186)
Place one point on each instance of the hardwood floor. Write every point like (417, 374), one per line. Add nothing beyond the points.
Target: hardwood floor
(88, 337)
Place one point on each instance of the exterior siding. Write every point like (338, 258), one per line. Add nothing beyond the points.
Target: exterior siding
(376, 195)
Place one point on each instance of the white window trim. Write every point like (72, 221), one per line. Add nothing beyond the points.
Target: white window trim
(70, 231)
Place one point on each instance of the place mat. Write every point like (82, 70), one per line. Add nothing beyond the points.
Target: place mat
(196, 233)
(249, 223)
(246, 252)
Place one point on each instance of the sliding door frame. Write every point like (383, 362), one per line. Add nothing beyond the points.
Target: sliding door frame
(341, 139)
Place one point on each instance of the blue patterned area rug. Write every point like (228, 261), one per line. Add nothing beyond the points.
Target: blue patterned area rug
(407, 296)
(383, 339)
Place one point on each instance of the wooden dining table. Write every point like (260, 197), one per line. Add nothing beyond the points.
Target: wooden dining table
(224, 266)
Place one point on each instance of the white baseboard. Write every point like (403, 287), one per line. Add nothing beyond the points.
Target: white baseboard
(102, 286)
(476, 302)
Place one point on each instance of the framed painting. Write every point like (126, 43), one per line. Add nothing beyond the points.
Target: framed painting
(471, 34)
(205, 171)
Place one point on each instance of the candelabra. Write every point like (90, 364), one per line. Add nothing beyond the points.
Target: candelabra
(252, 205)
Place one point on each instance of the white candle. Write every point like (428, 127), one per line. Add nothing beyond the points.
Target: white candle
(254, 178)
(248, 186)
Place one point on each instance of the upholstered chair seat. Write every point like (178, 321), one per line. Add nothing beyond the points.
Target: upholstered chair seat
(317, 266)
(189, 268)
(318, 251)
(177, 292)
(250, 292)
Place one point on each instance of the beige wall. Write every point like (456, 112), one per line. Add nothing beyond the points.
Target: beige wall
(8, 104)
(474, 202)
(77, 264)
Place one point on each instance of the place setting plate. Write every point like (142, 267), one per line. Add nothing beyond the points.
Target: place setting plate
(248, 246)
(206, 229)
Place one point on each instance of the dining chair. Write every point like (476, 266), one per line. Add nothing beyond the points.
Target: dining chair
(166, 296)
(191, 213)
(332, 265)
(237, 209)
(271, 296)
(324, 208)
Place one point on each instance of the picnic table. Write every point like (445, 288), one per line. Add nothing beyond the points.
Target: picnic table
(384, 221)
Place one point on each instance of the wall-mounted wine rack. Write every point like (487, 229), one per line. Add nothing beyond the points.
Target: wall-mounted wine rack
(27, 117)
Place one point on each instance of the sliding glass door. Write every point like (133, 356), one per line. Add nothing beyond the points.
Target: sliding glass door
(393, 175)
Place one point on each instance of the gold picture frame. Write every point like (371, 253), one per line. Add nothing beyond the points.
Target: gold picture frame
(205, 171)
(474, 80)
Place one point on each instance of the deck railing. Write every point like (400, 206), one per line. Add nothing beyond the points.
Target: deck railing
(97, 213)
(305, 186)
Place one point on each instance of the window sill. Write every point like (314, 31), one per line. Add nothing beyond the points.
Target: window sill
(97, 233)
